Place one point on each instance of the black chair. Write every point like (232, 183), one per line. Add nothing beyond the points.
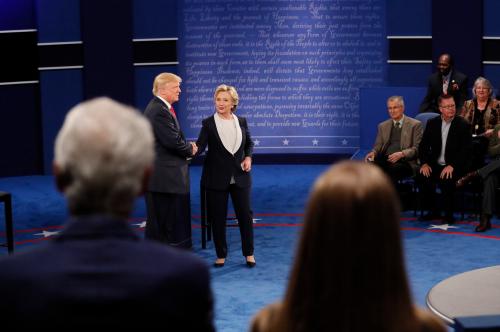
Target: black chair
(6, 199)
(401, 185)
(423, 118)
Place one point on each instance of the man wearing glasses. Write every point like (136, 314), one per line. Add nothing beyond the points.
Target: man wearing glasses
(443, 154)
(395, 148)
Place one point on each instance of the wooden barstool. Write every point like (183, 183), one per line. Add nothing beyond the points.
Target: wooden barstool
(6, 199)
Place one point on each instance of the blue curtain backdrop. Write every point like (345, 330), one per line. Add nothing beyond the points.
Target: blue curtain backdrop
(298, 67)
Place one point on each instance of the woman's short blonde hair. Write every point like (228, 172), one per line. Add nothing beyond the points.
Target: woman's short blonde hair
(232, 92)
(484, 82)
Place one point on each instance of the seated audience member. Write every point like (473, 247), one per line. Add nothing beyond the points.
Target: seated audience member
(446, 81)
(482, 114)
(443, 153)
(489, 174)
(97, 272)
(349, 272)
(395, 148)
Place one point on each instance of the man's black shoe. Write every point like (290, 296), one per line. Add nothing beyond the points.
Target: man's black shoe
(449, 220)
(484, 223)
(466, 179)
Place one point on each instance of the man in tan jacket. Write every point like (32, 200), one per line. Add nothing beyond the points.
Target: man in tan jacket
(396, 145)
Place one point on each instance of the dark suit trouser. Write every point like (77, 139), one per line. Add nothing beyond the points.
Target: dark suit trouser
(169, 219)
(396, 171)
(490, 174)
(447, 186)
(217, 202)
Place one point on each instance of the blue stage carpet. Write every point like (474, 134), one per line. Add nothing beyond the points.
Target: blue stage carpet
(279, 195)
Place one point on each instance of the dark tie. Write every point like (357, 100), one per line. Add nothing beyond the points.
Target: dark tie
(397, 125)
(173, 111)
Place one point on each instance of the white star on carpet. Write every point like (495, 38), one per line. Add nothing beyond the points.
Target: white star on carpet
(315, 142)
(443, 227)
(256, 142)
(236, 220)
(344, 142)
(141, 225)
(47, 233)
(285, 141)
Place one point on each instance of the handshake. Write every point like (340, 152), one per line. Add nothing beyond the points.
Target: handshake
(195, 148)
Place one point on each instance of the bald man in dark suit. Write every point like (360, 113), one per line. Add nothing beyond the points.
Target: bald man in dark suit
(448, 81)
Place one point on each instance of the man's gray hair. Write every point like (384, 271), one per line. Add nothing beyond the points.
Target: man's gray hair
(397, 99)
(102, 152)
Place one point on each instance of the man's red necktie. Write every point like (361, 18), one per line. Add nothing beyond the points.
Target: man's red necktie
(173, 111)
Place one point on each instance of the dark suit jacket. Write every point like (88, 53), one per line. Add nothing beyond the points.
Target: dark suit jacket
(435, 89)
(98, 273)
(458, 144)
(220, 164)
(170, 173)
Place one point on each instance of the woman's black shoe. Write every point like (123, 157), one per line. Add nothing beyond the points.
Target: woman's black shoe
(251, 264)
(218, 264)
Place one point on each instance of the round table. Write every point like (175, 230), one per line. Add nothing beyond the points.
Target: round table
(472, 293)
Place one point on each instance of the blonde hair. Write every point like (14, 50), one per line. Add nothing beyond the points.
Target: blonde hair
(482, 81)
(164, 78)
(232, 92)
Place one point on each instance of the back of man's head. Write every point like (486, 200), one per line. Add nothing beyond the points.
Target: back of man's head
(103, 155)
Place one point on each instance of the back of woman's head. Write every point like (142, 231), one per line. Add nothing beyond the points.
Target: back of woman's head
(349, 271)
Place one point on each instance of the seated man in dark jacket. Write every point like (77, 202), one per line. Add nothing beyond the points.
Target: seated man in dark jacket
(443, 153)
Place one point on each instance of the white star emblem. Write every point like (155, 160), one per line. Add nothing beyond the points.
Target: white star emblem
(285, 141)
(141, 225)
(254, 220)
(315, 142)
(443, 227)
(256, 142)
(344, 142)
(47, 233)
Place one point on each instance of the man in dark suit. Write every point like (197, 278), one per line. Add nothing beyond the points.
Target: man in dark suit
(167, 199)
(395, 148)
(443, 153)
(97, 273)
(448, 81)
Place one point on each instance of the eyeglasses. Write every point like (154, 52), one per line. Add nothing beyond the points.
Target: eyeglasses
(394, 107)
(449, 107)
